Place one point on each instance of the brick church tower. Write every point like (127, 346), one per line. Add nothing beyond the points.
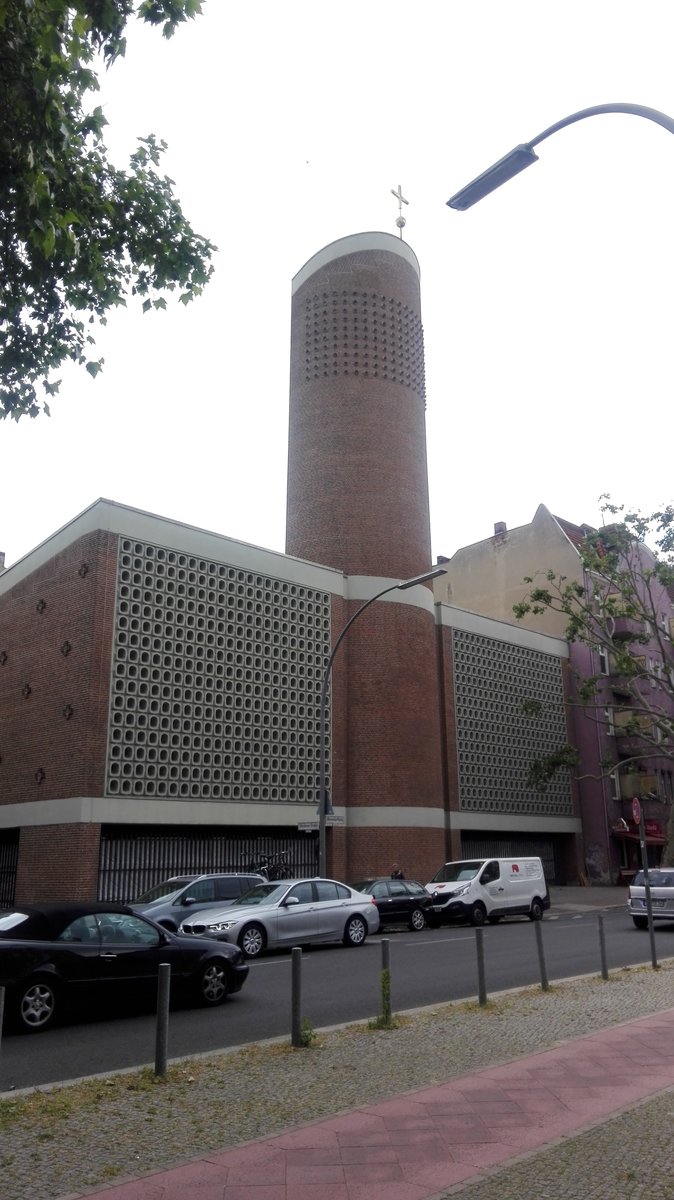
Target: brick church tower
(358, 502)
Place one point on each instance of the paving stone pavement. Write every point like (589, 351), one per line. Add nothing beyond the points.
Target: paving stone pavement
(434, 1141)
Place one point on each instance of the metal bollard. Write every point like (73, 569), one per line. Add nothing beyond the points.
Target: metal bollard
(602, 946)
(163, 995)
(481, 979)
(541, 956)
(296, 998)
(386, 980)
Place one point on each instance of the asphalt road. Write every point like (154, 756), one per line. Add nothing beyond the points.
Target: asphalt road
(338, 985)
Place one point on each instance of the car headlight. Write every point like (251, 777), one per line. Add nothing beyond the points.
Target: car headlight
(462, 890)
(220, 926)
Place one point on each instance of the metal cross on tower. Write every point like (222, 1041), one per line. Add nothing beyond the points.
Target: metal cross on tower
(400, 220)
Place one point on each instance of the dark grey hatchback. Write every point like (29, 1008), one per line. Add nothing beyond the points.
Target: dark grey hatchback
(399, 901)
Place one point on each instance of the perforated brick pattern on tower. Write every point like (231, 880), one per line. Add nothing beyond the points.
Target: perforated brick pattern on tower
(357, 474)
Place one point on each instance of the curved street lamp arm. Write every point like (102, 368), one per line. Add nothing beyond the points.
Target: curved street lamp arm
(326, 679)
(403, 586)
(523, 155)
(636, 110)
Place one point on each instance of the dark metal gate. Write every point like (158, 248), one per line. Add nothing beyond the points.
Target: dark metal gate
(133, 859)
(522, 846)
(9, 856)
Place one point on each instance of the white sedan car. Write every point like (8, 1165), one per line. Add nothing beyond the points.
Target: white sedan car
(290, 913)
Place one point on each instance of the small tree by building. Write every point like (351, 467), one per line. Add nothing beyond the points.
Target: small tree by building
(620, 608)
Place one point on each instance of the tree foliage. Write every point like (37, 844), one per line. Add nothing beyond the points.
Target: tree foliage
(77, 234)
(619, 606)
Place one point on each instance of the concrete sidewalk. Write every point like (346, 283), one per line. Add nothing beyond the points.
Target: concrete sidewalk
(437, 1140)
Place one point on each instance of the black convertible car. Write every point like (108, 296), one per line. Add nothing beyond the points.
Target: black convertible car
(56, 956)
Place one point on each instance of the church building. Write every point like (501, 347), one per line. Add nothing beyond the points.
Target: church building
(160, 685)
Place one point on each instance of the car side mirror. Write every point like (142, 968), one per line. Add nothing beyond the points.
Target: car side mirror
(290, 900)
(189, 900)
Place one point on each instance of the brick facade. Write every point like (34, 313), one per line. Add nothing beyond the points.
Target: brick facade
(55, 640)
(357, 473)
(57, 862)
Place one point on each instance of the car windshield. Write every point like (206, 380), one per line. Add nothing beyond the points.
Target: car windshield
(264, 893)
(457, 871)
(664, 879)
(162, 891)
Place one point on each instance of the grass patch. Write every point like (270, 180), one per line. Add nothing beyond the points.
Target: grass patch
(384, 1022)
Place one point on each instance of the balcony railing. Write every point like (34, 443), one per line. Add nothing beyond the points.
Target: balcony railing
(630, 724)
(637, 785)
(627, 627)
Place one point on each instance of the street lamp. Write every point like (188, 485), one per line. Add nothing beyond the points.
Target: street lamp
(322, 794)
(523, 155)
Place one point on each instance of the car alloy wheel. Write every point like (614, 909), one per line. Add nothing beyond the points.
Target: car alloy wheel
(536, 913)
(355, 932)
(478, 914)
(417, 919)
(252, 941)
(37, 1005)
(213, 983)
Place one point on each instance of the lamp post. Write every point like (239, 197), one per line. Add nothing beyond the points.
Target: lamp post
(523, 155)
(322, 795)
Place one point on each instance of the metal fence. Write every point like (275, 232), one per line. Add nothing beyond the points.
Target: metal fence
(527, 846)
(9, 855)
(131, 861)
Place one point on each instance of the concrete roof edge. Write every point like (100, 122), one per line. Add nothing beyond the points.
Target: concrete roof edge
(353, 244)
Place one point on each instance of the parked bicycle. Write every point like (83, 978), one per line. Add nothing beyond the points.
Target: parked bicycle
(272, 866)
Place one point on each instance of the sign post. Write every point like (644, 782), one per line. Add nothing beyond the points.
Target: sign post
(638, 816)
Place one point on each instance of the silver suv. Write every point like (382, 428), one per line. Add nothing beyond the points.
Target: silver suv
(168, 903)
(661, 880)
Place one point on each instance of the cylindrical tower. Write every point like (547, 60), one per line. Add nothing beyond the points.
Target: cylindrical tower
(358, 501)
(357, 475)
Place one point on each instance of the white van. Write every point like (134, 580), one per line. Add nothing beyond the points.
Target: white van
(486, 889)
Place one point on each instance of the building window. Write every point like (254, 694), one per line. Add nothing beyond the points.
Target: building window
(610, 726)
(615, 785)
(603, 661)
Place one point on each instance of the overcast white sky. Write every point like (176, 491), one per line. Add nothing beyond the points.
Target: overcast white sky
(547, 308)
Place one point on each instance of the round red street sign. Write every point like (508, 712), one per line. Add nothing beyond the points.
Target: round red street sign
(636, 810)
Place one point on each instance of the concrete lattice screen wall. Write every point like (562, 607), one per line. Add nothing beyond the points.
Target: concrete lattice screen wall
(216, 680)
(496, 739)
